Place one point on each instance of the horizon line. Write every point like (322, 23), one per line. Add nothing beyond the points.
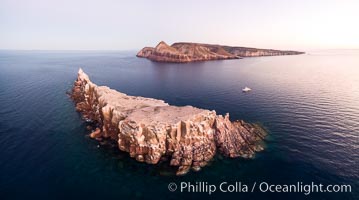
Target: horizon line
(312, 49)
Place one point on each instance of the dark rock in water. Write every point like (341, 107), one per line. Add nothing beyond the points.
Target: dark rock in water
(189, 52)
(150, 130)
(96, 133)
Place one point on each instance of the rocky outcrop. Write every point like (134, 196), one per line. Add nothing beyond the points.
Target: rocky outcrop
(190, 52)
(150, 129)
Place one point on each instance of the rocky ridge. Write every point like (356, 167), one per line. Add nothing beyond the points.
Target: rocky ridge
(190, 52)
(150, 129)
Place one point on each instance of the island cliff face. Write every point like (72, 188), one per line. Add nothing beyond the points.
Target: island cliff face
(190, 52)
(150, 129)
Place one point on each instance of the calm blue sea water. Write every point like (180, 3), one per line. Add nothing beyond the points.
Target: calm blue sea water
(309, 103)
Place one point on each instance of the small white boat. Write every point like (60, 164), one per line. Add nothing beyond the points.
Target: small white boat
(246, 89)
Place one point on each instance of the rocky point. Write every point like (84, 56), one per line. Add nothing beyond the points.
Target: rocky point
(150, 129)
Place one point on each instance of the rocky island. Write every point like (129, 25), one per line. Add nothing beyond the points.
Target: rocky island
(190, 52)
(151, 130)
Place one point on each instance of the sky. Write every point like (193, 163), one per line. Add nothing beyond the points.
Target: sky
(133, 24)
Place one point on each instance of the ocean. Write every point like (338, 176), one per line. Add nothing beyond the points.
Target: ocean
(309, 104)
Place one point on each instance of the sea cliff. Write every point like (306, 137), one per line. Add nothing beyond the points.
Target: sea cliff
(190, 52)
(151, 129)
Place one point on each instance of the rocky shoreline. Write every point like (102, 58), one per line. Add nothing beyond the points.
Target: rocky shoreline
(150, 129)
(183, 52)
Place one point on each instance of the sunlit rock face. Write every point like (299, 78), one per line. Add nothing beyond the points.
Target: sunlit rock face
(191, 52)
(150, 129)
(184, 52)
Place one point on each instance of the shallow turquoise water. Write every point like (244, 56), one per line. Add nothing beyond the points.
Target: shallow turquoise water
(309, 103)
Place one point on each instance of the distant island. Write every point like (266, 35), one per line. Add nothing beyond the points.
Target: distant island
(183, 52)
